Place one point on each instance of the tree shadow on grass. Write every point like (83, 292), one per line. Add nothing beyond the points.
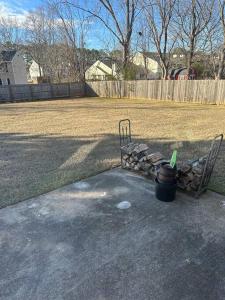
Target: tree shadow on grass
(31, 165)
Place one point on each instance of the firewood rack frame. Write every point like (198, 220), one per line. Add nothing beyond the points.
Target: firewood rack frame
(124, 134)
(210, 163)
(125, 138)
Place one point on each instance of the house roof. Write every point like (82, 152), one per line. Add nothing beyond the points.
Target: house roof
(176, 71)
(99, 67)
(7, 55)
(108, 61)
(181, 72)
(152, 55)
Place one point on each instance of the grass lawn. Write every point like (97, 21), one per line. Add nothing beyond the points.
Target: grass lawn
(44, 145)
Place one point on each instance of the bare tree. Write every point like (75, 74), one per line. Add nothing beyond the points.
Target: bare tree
(211, 45)
(44, 43)
(11, 35)
(10, 31)
(118, 18)
(158, 15)
(73, 28)
(192, 18)
(37, 37)
(222, 48)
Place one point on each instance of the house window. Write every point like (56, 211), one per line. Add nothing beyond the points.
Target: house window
(8, 81)
(6, 67)
(0, 81)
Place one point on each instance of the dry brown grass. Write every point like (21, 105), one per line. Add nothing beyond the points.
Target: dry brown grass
(47, 144)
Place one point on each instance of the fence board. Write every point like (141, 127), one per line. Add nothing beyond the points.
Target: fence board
(41, 91)
(193, 91)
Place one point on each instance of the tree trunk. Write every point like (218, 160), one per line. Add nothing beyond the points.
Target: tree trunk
(164, 67)
(125, 54)
(190, 56)
(165, 76)
(125, 60)
(221, 64)
(39, 69)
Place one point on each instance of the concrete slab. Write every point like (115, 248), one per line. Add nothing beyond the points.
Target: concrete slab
(74, 243)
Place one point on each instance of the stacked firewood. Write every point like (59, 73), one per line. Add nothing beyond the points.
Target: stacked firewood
(190, 174)
(138, 157)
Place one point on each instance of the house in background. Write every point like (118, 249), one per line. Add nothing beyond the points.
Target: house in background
(105, 69)
(182, 74)
(149, 67)
(12, 68)
(35, 72)
(146, 67)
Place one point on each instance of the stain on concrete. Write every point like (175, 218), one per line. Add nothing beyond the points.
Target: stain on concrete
(123, 205)
(73, 243)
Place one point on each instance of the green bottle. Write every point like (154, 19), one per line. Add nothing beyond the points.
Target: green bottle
(173, 159)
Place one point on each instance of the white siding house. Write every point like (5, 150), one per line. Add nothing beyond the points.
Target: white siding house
(12, 68)
(149, 65)
(34, 72)
(101, 71)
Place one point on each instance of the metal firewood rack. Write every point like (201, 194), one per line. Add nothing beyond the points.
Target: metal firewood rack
(125, 135)
(125, 138)
(210, 163)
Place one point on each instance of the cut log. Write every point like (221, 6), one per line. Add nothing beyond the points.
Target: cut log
(154, 157)
(185, 168)
(128, 149)
(145, 166)
(197, 169)
(140, 148)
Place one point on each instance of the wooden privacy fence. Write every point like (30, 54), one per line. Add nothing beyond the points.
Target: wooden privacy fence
(41, 91)
(193, 91)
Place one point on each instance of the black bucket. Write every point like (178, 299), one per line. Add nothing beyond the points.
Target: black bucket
(166, 174)
(165, 191)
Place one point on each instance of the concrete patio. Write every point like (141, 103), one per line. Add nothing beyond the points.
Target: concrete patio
(74, 243)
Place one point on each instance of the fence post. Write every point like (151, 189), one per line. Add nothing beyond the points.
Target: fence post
(216, 92)
(69, 90)
(31, 92)
(51, 89)
(10, 92)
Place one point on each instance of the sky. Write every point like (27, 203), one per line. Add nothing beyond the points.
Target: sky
(97, 37)
(17, 7)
